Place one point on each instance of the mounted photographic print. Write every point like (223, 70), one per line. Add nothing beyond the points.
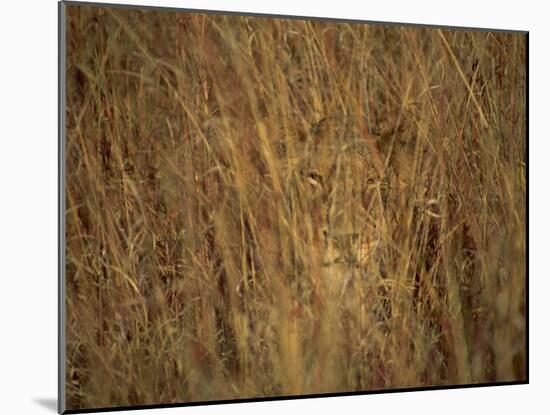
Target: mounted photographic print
(260, 207)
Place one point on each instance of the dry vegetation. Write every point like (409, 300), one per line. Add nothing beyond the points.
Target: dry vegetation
(261, 207)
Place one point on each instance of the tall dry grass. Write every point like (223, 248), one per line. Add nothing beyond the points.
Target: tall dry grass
(261, 207)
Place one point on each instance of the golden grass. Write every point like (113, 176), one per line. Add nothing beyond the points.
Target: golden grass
(263, 207)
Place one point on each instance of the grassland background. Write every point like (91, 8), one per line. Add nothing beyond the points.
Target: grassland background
(213, 160)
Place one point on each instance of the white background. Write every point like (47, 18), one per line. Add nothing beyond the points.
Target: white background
(28, 204)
